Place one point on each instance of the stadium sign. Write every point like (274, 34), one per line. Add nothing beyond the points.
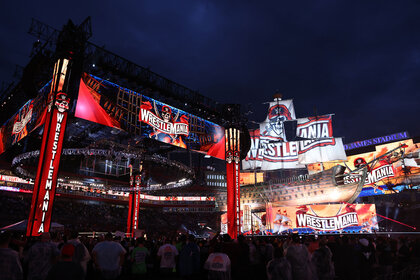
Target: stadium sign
(377, 141)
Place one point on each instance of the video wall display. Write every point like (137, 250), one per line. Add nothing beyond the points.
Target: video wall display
(390, 174)
(109, 104)
(250, 178)
(28, 118)
(331, 218)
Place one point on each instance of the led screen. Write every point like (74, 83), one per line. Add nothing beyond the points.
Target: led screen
(109, 104)
(309, 219)
(390, 174)
(29, 117)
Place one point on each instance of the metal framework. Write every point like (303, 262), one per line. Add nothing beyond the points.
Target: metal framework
(127, 71)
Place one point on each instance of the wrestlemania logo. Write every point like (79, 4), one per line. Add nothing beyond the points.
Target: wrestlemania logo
(316, 131)
(327, 223)
(166, 127)
(339, 221)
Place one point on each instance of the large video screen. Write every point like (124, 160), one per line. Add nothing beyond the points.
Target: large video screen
(28, 118)
(304, 219)
(390, 174)
(109, 104)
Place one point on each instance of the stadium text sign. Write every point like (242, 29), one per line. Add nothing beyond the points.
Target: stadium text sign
(377, 141)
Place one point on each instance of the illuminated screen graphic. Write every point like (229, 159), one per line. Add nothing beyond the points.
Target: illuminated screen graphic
(29, 117)
(248, 178)
(108, 104)
(390, 174)
(311, 218)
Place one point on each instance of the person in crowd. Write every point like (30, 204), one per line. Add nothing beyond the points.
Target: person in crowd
(266, 250)
(81, 254)
(167, 254)
(66, 268)
(218, 264)
(279, 267)
(322, 261)
(367, 258)
(256, 263)
(41, 257)
(298, 256)
(138, 257)
(108, 257)
(243, 257)
(189, 259)
(231, 248)
(10, 267)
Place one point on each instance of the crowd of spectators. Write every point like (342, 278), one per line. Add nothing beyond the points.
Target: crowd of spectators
(88, 216)
(178, 256)
(169, 251)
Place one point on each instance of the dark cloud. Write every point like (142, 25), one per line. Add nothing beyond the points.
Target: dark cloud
(359, 59)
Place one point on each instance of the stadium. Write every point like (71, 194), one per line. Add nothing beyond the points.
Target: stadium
(93, 143)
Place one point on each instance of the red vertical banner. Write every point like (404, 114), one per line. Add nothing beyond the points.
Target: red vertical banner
(231, 209)
(134, 204)
(232, 181)
(49, 159)
(130, 204)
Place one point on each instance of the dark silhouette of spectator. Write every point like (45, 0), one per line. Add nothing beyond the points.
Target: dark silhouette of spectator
(322, 261)
(366, 252)
(279, 267)
(108, 257)
(189, 259)
(243, 258)
(10, 267)
(218, 264)
(167, 254)
(386, 256)
(231, 249)
(66, 269)
(41, 257)
(266, 250)
(256, 266)
(298, 256)
(81, 254)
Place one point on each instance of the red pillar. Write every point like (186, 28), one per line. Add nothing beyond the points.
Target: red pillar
(134, 204)
(130, 204)
(232, 136)
(49, 158)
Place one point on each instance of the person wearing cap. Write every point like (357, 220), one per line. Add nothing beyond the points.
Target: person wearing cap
(10, 267)
(81, 253)
(66, 269)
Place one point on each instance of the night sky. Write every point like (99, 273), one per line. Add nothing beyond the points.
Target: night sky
(359, 60)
